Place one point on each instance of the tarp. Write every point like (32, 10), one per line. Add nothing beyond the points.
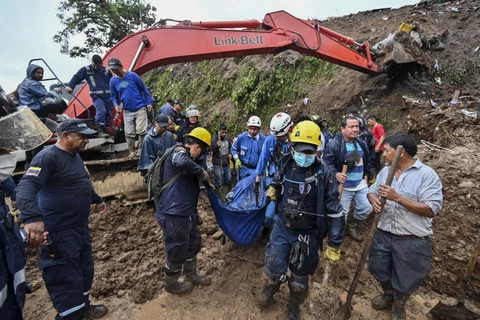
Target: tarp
(240, 218)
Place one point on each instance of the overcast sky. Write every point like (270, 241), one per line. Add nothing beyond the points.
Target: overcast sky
(29, 25)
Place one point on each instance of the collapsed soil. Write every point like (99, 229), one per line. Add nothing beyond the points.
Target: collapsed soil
(128, 243)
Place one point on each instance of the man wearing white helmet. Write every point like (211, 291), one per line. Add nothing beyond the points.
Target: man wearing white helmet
(247, 148)
(275, 146)
(191, 123)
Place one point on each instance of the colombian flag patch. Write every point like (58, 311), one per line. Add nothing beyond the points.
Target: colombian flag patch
(33, 171)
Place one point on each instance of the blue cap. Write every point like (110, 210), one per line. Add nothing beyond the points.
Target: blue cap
(75, 125)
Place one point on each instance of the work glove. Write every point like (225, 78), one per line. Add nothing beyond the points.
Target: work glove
(272, 193)
(238, 164)
(298, 253)
(332, 254)
(204, 176)
(257, 189)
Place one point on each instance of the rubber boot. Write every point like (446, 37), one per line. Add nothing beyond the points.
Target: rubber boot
(172, 285)
(190, 270)
(268, 291)
(140, 144)
(95, 311)
(298, 286)
(384, 300)
(398, 307)
(130, 146)
(101, 132)
(352, 229)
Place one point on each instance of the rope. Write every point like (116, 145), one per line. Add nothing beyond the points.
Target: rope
(435, 147)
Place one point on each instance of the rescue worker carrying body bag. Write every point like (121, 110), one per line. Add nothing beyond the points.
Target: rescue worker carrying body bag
(308, 209)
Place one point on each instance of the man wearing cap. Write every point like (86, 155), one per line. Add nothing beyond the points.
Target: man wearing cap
(350, 150)
(98, 79)
(308, 210)
(177, 215)
(55, 196)
(128, 88)
(167, 107)
(176, 113)
(158, 139)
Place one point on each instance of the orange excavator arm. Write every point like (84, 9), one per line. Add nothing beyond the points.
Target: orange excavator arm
(195, 41)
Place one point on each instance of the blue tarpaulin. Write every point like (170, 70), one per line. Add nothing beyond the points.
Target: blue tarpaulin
(240, 218)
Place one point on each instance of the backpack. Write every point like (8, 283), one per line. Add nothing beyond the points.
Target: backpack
(153, 178)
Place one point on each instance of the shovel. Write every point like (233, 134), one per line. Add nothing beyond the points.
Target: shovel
(346, 309)
(459, 312)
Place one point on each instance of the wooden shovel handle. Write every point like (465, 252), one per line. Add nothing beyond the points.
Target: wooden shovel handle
(340, 187)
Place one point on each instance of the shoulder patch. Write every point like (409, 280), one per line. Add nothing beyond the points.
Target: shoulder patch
(33, 171)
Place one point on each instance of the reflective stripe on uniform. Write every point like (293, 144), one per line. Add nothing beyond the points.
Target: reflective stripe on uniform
(86, 293)
(3, 295)
(18, 279)
(92, 79)
(99, 91)
(337, 215)
(71, 310)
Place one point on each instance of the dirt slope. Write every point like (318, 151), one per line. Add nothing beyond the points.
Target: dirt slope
(127, 241)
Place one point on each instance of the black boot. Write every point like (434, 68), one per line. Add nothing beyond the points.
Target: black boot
(173, 286)
(95, 311)
(298, 292)
(398, 307)
(353, 231)
(190, 269)
(268, 291)
(101, 132)
(384, 300)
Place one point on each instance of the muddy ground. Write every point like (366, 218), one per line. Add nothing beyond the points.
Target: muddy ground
(127, 241)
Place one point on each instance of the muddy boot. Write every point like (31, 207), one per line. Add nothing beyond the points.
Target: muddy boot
(101, 132)
(298, 286)
(268, 291)
(384, 300)
(130, 146)
(398, 307)
(353, 231)
(95, 311)
(140, 144)
(190, 269)
(173, 286)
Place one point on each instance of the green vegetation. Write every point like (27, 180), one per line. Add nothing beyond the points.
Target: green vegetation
(251, 89)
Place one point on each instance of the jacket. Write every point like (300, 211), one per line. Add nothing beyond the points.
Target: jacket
(131, 91)
(271, 153)
(177, 118)
(181, 196)
(330, 220)
(335, 150)
(31, 90)
(186, 129)
(152, 144)
(98, 80)
(248, 149)
(220, 154)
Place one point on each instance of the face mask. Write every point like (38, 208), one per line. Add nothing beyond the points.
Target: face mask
(303, 160)
(8, 162)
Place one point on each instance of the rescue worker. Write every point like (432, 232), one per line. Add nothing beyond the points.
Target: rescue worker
(158, 139)
(190, 124)
(401, 252)
(308, 209)
(315, 118)
(176, 113)
(128, 88)
(276, 145)
(182, 171)
(221, 155)
(167, 107)
(173, 128)
(98, 79)
(347, 148)
(247, 147)
(55, 195)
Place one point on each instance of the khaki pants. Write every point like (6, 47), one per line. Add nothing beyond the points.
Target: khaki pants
(136, 122)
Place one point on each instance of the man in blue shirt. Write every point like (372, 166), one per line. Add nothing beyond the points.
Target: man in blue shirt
(247, 148)
(98, 79)
(347, 148)
(168, 107)
(55, 196)
(127, 88)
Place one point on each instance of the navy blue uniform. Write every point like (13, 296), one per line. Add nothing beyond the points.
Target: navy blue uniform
(152, 144)
(312, 190)
(56, 189)
(12, 260)
(99, 84)
(177, 207)
(248, 150)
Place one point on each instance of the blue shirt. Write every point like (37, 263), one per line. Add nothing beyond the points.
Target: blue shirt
(131, 91)
(166, 109)
(355, 175)
(248, 149)
(56, 189)
(271, 153)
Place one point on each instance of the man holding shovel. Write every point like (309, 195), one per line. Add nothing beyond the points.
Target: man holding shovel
(401, 251)
(221, 155)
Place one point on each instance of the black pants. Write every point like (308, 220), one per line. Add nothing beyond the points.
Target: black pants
(378, 163)
(181, 237)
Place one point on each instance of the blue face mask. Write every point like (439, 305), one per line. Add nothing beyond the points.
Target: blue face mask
(303, 160)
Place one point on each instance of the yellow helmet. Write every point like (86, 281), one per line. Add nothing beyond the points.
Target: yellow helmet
(306, 132)
(201, 134)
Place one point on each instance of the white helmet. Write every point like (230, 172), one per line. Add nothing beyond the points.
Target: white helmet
(280, 124)
(254, 121)
(193, 113)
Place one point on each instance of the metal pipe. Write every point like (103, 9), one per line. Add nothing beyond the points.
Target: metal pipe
(338, 36)
(250, 24)
(142, 46)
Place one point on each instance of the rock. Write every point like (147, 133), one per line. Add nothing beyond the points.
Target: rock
(427, 304)
(477, 169)
(217, 235)
(466, 184)
(121, 293)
